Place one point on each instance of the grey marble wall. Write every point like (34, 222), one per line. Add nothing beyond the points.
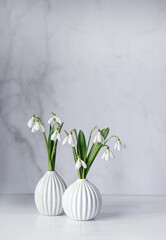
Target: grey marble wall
(91, 62)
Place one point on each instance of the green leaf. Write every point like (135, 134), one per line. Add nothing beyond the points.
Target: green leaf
(61, 127)
(95, 150)
(81, 145)
(81, 148)
(50, 142)
(105, 132)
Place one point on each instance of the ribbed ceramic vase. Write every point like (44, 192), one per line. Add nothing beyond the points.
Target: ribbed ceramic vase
(82, 200)
(48, 194)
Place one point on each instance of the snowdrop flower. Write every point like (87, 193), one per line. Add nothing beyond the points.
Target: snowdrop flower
(99, 137)
(54, 120)
(107, 155)
(119, 145)
(31, 121)
(38, 126)
(56, 135)
(69, 139)
(80, 163)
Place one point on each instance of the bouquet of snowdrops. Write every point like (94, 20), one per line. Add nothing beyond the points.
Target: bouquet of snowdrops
(36, 124)
(84, 158)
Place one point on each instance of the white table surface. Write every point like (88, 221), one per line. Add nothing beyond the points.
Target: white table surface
(122, 217)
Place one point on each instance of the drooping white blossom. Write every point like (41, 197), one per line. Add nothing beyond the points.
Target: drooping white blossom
(119, 145)
(107, 155)
(69, 139)
(42, 129)
(54, 120)
(80, 163)
(56, 135)
(31, 122)
(98, 138)
(38, 126)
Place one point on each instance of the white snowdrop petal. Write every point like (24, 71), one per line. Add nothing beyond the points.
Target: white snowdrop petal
(77, 165)
(103, 156)
(42, 129)
(102, 139)
(37, 126)
(58, 120)
(112, 155)
(108, 151)
(115, 146)
(83, 164)
(99, 137)
(34, 129)
(95, 139)
(119, 147)
(107, 155)
(71, 140)
(31, 122)
(65, 140)
(58, 137)
(50, 120)
(54, 136)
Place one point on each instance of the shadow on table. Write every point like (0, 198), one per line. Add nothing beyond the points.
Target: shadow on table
(109, 215)
(120, 210)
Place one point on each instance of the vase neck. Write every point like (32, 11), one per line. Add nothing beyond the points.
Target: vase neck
(50, 172)
(81, 180)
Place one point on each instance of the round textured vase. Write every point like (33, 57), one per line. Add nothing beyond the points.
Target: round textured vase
(82, 200)
(48, 194)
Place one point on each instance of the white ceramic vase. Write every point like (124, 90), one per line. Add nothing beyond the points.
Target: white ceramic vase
(48, 194)
(82, 200)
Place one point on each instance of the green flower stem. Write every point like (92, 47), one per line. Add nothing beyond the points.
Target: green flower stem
(50, 167)
(53, 149)
(89, 141)
(52, 154)
(110, 138)
(53, 158)
(105, 145)
(83, 171)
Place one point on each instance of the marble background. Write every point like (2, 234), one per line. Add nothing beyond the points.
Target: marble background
(92, 62)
